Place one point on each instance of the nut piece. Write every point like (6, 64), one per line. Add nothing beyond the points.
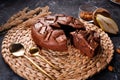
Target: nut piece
(118, 50)
(110, 68)
(86, 15)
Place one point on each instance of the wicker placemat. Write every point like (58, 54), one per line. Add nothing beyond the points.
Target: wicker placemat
(74, 66)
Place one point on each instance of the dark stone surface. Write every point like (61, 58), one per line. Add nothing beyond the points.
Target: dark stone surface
(69, 7)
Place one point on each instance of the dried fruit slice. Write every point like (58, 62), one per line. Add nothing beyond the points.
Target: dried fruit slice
(107, 24)
(101, 11)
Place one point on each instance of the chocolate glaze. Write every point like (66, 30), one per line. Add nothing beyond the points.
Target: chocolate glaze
(52, 32)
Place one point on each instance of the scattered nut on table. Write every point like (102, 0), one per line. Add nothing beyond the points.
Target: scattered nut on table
(118, 50)
(110, 68)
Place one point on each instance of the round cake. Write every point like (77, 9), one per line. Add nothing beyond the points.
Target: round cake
(56, 32)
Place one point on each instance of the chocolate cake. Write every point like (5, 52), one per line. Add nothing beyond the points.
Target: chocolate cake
(56, 32)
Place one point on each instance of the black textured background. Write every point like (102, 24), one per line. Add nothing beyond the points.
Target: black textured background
(69, 7)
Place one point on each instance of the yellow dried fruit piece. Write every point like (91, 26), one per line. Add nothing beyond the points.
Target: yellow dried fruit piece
(107, 24)
(101, 11)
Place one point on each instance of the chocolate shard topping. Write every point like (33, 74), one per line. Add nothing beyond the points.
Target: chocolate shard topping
(42, 30)
(49, 32)
(38, 26)
(50, 19)
(67, 20)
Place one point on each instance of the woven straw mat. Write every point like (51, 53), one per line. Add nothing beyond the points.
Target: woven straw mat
(74, 66)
